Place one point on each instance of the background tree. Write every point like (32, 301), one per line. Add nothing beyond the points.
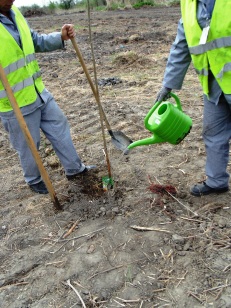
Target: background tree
(66, 4)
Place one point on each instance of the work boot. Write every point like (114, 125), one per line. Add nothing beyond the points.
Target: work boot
(39, 188)
(78, 175)
(203, 189)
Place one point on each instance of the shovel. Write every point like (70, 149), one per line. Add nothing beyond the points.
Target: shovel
(118, 138)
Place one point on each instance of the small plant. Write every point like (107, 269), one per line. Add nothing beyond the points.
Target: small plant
(139, 4)
(173, 2)
(97, 3)
(100, 8)
(128, 274)
(78, 27)
(52, 7)
(66, 4)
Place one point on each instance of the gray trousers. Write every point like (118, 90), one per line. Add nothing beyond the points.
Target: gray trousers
(216, 135)
(51, 120)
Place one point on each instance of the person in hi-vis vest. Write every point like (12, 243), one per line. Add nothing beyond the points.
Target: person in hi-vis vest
(36, 103)
(204, 37)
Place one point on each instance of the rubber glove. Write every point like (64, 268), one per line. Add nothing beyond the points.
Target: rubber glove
(163, 95)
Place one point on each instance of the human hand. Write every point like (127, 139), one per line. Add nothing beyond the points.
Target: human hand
(163, 94)
(67, 32)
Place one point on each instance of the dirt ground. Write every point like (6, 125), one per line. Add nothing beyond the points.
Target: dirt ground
(133, 245)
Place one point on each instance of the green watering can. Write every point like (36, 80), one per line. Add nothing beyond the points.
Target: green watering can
(167, 122)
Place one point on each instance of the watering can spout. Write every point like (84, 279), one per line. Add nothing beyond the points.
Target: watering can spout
(146, 141)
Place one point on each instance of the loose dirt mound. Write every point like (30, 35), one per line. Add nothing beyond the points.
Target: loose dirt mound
(145, 243)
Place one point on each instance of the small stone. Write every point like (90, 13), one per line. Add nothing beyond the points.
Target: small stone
(221, 223)
(178, 239)
(135, 37)
(181, 253)
(48, 150)
(187, 246)
(53, 161)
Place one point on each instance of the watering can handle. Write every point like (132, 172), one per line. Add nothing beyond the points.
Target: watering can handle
(156, 105)
(178, 104)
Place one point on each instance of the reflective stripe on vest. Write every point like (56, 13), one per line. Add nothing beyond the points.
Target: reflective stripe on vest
(226, 68)
(21, 85)
(203, 72)
(218, 43)
(215, 54)
(18, 64)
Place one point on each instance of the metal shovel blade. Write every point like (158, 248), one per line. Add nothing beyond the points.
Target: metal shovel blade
(120, 140)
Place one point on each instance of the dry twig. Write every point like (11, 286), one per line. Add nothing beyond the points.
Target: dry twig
(73, 288)
(182, 278)
(129, 300)
(74, 238)
(115, 267)
(196, 297)
(227, 267)
(14, 284)
(219, 287)
(139, 228)
(71, 229)
(105, 271)
(158, 290)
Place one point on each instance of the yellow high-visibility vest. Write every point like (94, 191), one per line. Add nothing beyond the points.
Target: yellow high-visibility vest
(214, 53)
(20, 66)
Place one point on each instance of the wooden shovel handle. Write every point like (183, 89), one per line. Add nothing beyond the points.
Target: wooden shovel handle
(95, 92)
(28, 137)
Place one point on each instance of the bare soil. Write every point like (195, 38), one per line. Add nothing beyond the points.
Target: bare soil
(133, 245)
